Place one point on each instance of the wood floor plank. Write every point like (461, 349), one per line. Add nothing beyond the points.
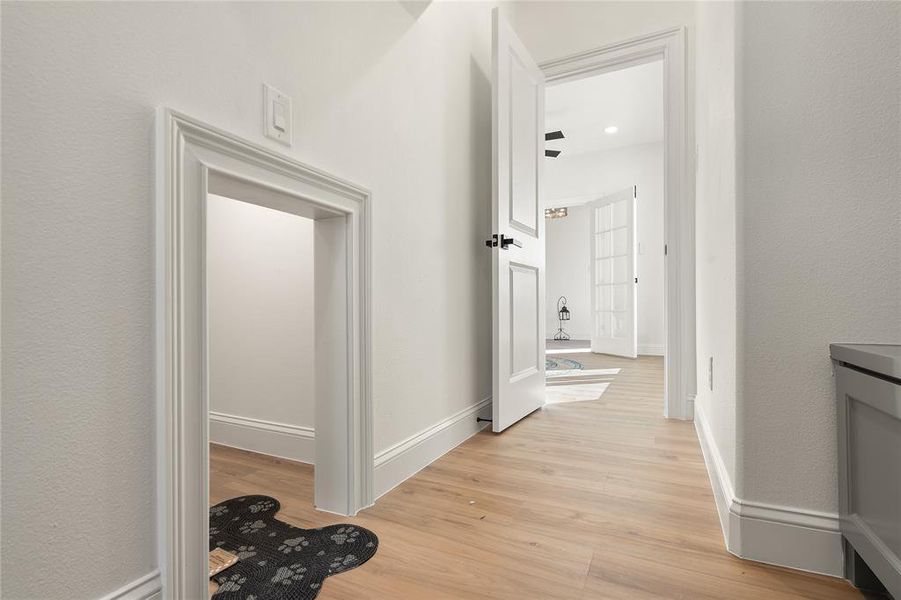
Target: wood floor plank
(599, 499)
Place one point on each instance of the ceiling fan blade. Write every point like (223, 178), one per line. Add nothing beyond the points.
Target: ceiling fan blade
(554, 135)
(552, 153)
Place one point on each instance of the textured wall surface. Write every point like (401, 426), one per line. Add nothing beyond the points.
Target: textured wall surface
(715, 229)
(821, 212)
(261, 315)
(396, 103)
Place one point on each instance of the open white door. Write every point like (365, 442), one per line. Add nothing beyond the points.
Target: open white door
(614, 297)
(517, 111)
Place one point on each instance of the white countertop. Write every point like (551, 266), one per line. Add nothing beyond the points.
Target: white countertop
(880, 358)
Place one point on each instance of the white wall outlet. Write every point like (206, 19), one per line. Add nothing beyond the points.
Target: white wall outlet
(277, 115)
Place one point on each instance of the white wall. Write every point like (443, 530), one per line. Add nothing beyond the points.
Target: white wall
(799, 245)
(397, 104)
(568, 267)
(715, 227)
(568, 272)
(820, 244)
(261, 323)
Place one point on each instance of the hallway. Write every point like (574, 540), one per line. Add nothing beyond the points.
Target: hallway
(601, 499)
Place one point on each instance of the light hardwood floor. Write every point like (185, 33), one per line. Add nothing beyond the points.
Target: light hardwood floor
(602, 499)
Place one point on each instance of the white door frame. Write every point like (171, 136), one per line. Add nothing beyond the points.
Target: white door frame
(189, 152)
(678, 199)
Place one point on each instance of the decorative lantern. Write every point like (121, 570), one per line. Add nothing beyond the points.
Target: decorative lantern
(562, 315)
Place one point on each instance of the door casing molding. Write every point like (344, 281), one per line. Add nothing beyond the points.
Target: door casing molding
(678, 199)
(189, 153)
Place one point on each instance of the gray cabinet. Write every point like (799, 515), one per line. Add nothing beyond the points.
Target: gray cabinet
(868, 397)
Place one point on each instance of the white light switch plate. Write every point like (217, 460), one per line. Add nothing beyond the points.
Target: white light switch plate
(277, 115)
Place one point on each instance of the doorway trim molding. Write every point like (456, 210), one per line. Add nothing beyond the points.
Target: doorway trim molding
(678, 198)
(188, 152)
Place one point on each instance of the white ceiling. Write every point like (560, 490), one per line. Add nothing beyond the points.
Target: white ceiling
(630, 99)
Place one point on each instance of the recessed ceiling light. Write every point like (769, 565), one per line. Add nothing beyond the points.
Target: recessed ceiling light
(611, 129)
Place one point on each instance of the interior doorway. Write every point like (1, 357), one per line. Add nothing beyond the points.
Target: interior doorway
(195, 161)
(260, 298)
(519, 155)
(260, 280)
(603, 195)
(276, 269)
(262, 274)
(667, 48)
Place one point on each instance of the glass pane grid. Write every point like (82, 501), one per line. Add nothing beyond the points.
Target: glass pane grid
(612, 279)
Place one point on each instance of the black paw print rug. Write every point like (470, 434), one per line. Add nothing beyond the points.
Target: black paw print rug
(277, 561)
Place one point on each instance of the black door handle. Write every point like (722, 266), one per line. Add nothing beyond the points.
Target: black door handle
(506, 241)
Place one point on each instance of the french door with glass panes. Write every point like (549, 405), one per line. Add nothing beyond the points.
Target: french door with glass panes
(614, 284)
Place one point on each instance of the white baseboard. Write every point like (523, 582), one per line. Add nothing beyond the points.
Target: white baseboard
(790, 537)
(147, 587)
(779, 535)
(651, 349)
(293, 442)
(403, 460)
(720, 483)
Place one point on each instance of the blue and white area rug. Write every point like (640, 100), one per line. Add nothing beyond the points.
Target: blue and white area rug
(569, 381)
(561, 364)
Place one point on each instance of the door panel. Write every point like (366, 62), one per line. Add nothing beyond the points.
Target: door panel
(614, 284)
(517, 110)
(523, 148)
(524, 357)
